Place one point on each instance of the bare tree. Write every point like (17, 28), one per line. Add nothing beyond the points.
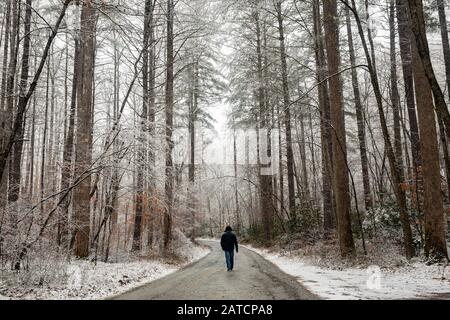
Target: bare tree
(169, 127)
(83, 150)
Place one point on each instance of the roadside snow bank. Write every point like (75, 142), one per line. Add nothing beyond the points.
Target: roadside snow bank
(85, 280)
(412, 281)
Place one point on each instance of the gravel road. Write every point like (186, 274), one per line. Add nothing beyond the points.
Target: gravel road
(253, 277)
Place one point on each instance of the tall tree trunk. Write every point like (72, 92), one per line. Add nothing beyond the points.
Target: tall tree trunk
(446, 51)
(51, 138)
(193, 100)
(16, 157)
(325, 122)
(115, 179)
(67, 167)
(13, 55)
(264, 145)
(435, 239)
(287, 116)
(9, 95)
(340, 173)
(83, 154)
(302, 147)
(395, 97)
(151, 130)
(445, 151)
(270, 119)
(312, 144)
(44, 142)
(141, 153)
(280, 161)
(168, 211)
(417, 23)
(236, 190)
(359, 116)
(30, 186)
(406, 57)
(3, 120)
(405, 54)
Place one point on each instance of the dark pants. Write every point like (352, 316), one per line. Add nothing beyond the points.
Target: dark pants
(229, 258)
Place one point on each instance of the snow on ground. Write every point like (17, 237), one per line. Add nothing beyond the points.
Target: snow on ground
(85, 280)
(414, 280)
(207, 239)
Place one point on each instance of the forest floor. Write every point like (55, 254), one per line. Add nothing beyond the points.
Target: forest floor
(390, 278)
(88, 280)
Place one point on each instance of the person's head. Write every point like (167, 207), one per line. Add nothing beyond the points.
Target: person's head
(228, 228)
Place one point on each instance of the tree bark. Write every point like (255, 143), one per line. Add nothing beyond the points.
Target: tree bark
(168, 211)
(141, 153)
(264, 141)
(83, 154)
(435, 240)
(151, 130)
(340, 174)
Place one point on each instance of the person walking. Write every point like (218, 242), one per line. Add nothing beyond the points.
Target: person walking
(228, 242)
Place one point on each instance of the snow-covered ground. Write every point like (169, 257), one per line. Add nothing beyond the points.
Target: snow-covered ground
(85, 280)
(414, 280)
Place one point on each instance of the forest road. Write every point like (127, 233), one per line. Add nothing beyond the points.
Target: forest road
(253, 278)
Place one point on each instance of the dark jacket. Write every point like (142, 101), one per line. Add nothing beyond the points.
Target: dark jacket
(229, 241)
